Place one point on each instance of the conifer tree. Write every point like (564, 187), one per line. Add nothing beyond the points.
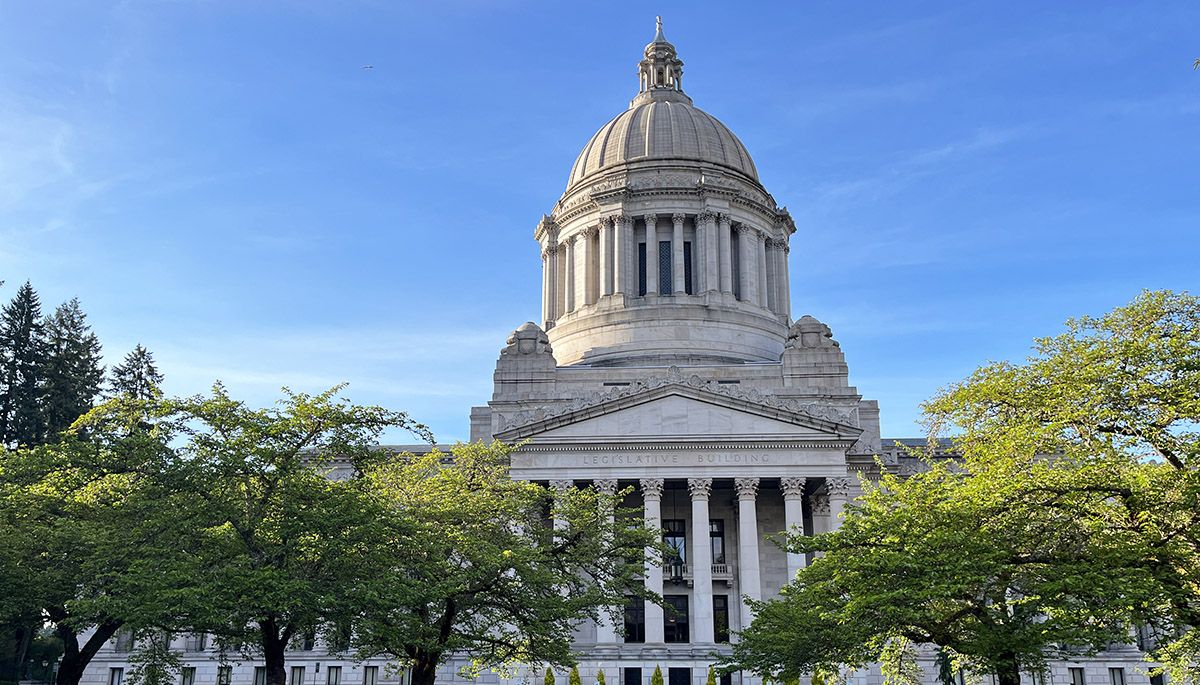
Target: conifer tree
(548, 678)
(136, 377)
(657, 678)
(73, 373)
(573, 678)
(23, 358)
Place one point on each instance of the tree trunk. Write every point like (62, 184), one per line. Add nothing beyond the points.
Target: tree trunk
(75, 658)
(1008, 670)
(424, 668)
(274, 644)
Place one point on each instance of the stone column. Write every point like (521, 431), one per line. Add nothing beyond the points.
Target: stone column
(749, 578)
(547, 292)
(725, 253)
(785, 284)
(760, 253)
(747, 264)
(571, 290)
(793, 518)
(820, 514)
(651, 254)
(620, 246)
(606, 257)
(700, 253)
(772, 272)
(652, 489)
(677, 267)
(587, 294)
(839, 490)
(606, 633)
(560, 487)
(702, 589)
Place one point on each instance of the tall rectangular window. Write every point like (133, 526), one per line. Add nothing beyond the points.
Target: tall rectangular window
(631, 676)
(721, 618)
(641, 269)
(1077, 676)
(675, 537)
(333, 675)
(260, 675)
(675, 618)
(716, 538)
(116, 676)
(679, 676)
(664, 267)
(297, 676)
(687, 268)
(635, 620)
(195, 642)
(224, 675)
(370, 675)
(187, 675)
(1116, 676)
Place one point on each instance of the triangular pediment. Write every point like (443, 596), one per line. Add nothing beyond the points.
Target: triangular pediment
(681, 411)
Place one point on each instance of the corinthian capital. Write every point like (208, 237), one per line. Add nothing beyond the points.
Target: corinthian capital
(793, 486)
(747, 488)
(700, 487)
(606, 485)
(837, 487)
(650, 219)
(652, 488)
(820, 505)
(706, 216)
(678, 218)
(561, 485)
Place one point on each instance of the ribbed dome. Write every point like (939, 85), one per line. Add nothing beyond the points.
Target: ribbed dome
(666, 128)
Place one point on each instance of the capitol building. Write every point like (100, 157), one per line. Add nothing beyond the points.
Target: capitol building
(667, 361)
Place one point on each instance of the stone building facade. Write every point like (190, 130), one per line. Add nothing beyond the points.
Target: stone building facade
(667, 362)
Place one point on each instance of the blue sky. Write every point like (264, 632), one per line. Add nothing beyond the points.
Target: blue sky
(223, 182)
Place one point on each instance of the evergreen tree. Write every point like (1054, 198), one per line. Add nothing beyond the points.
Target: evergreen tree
(136, 377)
(73, 373)
(23, 356)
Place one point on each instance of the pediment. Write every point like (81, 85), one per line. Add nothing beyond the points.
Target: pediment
(681, 410)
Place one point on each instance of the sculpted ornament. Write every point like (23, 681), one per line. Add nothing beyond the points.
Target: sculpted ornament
(793, 486)
(562, 485)
(650, 219)
(606, 485)
(807, 333)
(837, 487)
(820, 505)
(528, 339)
(747, 488)
(700, 487)
(652, 488)
(678, 218)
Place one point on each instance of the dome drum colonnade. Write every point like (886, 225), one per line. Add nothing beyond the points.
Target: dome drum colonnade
(664, 213)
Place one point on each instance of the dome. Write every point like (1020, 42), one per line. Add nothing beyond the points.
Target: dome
(662, 128)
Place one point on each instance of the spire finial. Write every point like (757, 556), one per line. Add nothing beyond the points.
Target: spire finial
(661, 69)
(658, 34)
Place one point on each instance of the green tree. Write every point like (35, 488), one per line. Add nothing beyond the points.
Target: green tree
(573, 679)
(1070, 515)
(712, 676)
(657, 677)
(485, 573)
(548, 678)
(23, 357)
(600, 677)
(136, 376)
(280, 518)
(72, 374)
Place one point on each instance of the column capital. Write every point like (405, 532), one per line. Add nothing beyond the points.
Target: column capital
(622, 219)
(570, 240)
(562, 485)
(837, 487)
(747, 488)
(820, 505)
(723, 219)
(793, 486)
(678, 217)
(700, 487)
(650, 219)
(606, 485)
(652, 488)
(590, 231)
(746, 230)
(706, 216)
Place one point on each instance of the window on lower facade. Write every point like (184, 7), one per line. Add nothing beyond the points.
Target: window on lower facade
(635, 620)
(641, 269)
(260, 675)
(1077, 676)
(297, 676)
(116, 676)
(1116, 676)
(679, 676)
(195, 642)
(631, 676)
(333, 675)
(721, 618)
(224, 675)
(339, 637)
(1158, 679)
(675, 618)
(187, 675)
(370, 675)
(664, 267)
(716, 537)
(687, 268)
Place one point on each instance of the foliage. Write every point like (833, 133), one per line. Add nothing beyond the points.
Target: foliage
(600, 677)
(136, 377)
(485, 574)
(657, 678)
(73, 373)
(548, 678)
(154, 662)
(712, 676)
(1071, 514)
(573, 679)
(22, 363)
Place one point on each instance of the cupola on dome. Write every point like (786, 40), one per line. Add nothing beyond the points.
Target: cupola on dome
(661, 124)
